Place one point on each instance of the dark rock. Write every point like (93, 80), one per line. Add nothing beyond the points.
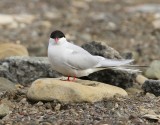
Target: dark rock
(118, 78)
(26, 69)
(100, 49)
(114, 77)
(152, 86)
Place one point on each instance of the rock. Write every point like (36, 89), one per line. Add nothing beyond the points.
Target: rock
(6, 19)
(132, 91)
(55, 14)
(146, 8)
(24, 70)
(101, 49)
(156, 24)
(11, 49)
(13, 21)
(4, 110)
(111, 26)
(131, 55)
(24, 18)
(119, 78)
(6, 85)
(141, 79)
(154, 70)
(44, 24)
(152, 86)
(49, 89)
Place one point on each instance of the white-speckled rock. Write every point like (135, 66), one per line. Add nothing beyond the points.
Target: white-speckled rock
(49, 89)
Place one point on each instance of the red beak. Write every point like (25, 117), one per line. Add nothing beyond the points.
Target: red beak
(56, 39)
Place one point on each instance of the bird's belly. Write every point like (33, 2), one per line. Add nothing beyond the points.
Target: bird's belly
(68, 71)
(57, 63)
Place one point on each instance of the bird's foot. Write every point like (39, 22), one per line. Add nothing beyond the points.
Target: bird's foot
(68, 79)
(73, 80)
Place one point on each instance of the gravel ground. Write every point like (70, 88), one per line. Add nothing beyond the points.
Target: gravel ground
(117, 111)
(116, 22)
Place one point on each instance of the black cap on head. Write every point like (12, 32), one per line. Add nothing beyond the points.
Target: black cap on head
(57, 34)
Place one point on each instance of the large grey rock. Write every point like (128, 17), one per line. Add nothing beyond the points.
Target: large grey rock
(26, 69)
(152, 86)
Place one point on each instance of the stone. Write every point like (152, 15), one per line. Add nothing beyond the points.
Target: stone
(145, 8)
(156, 24)
(6, 85)
(6, 19)
(132, 91)
(4, 110)
(101, 49)
(154, 70)
(54, 15)
(24, 70)
(141, 79)
(152, 117)
(24, 18)
(49, 89)
(12, 21)
(152, 86)
(111, 26)
(115, 77)
(131, 55)
(11, 49)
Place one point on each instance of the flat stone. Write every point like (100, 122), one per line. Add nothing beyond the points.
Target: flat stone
(49, 89)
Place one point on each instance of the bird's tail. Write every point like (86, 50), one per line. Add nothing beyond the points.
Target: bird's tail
(123, 65)
(127, 69)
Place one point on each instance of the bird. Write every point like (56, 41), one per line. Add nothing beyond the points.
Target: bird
(73, 61)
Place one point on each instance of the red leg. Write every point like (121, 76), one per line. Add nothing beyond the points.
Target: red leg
(74, 78)
(68, 78)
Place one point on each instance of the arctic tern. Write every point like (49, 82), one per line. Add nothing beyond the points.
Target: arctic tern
(73, 61)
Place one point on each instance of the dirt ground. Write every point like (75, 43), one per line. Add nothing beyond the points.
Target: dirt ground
(118, 23)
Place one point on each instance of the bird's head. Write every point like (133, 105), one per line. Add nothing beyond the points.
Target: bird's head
(57, 37)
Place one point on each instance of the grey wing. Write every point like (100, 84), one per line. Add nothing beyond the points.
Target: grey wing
(75, 48)
(80, 61)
